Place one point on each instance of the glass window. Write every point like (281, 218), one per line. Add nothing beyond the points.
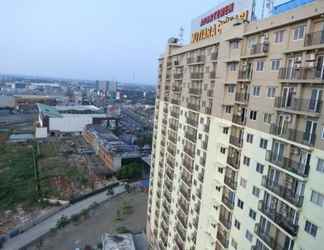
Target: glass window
(271, 92)
(256, 91)
(311, 228)
(299, 32)
(279, 35)
(260, 65)
(320, 165)
(317, 198)
(275, 64)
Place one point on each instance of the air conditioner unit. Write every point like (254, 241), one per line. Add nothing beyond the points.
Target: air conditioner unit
(311, 57)
(288, 118)
(298, 59)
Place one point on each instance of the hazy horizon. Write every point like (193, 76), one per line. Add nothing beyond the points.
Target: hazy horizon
(97, 40)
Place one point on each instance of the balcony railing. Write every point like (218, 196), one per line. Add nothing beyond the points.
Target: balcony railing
(185, 192)
(208, 110)
(298, 104)
(271, 242)
(189, 150)
(178, 75)
(172, 151)
(293, 135)
(175, 101)
(300, 73)
(202, 161)
(184, 205)
(222, 239)
(245, 75)
(195, 91)
(238, 119)
(175, 114)
(210, 93)
(259, 48)
(173, 126)
(225, 220)
(230, 181)
(233, 161)
(236, 141)
(299, 168)
(173, 139)
(191, 121)
(229, 203)
(212, 75)
(242, 97)
(314, 38)
(187, 179)
(283, 221)
(191, 137)
(214, 56)
(197, 75)
(193, 106)
(183, 220)
(176, 88)
(287, 193)
(204, 145)
(188, 164)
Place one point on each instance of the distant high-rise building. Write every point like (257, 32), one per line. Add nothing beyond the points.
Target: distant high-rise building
(238, 152)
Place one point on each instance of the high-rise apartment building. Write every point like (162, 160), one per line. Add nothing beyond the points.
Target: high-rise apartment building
(238, 148)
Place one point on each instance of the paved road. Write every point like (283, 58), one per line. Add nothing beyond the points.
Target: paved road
(34, 233)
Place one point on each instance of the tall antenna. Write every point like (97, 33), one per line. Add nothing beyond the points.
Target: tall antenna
(181, 32)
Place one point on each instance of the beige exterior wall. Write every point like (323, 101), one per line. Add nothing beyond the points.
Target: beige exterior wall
(213, 186)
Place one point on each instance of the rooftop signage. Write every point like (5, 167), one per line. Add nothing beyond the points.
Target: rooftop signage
(211, 23)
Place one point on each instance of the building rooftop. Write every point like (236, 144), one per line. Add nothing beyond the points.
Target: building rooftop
(57, 111)
(118, 242)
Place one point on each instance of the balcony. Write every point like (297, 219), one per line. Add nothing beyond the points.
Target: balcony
(183, 220)
(314, 38)
(178, 76)
(225, 220)
(166, 207)
(298, 105)
(192, 121)
(191, 137)
(236, 141)
(169, 174)
(283, 191)
(189, 150)
(208, 110)
(176, 89)
(173, 126)
(204, 145)
(300, 74)
(198, 194)
(293, 135)
(175, 101)
(238, 119)
(171, 151)
(173, 139)
(202, 161)
(283, 221)
(185, 192)
(270, 241)
(212, 75)
(167, 196)
(214, 56)
(233, 161)
(222, 239)
(179, 243)
(188, 164)
(181, 233)
(187, 178)
(184, 205)
(168, 183)
(259, 48)
(193, 106)
(210, 93)
(195, 91)
(175, 114)
(229, 203)
(245, 75)
(242, 98)
(231, 182)
(299, 168)
(197, 75)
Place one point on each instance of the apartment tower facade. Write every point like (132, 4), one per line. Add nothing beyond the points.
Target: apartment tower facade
(238, 147)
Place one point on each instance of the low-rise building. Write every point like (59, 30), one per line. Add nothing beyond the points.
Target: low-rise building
(111, 150)
(68, 119)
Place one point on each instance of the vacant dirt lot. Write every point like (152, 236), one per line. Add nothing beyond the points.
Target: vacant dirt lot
(102, 220)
